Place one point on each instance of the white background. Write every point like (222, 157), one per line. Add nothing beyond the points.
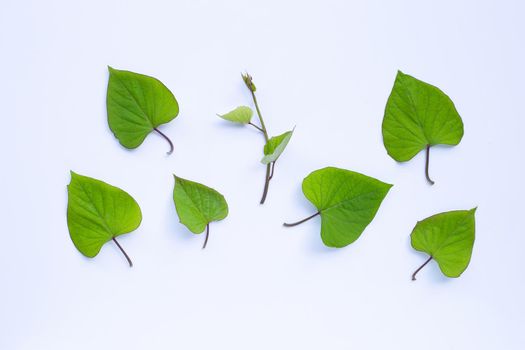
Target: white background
(326, 67)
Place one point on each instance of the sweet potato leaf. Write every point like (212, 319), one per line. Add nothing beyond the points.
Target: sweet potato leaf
(346, 201)
(98, 213)
(136, 105)
(198, 205)
(240, 115)
(275, 147)
(448, 238)
(418, 116)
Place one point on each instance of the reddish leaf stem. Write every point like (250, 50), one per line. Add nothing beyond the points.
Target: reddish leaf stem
(207, 235)
(123, 251)
(167, 139)
(266, 183)
(301, 221)
(426, 166)
(419, 269)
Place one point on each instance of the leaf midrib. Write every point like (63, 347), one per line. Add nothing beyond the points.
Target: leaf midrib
(200, 211)
(105, 224)
(451, 234)
(347, 200)
(146, 117)
(413, 106)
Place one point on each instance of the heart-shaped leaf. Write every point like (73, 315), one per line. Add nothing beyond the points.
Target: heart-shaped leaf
(418, 116)
(347, 202)
(275, 146)
(448, 238)
(97, 213)
(137, 104)
(198, 205)
(240, 115)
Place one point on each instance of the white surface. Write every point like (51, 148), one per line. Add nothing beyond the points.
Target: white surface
(326, 67)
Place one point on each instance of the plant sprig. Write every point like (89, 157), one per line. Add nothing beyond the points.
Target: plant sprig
(274, 146)
(270, 166)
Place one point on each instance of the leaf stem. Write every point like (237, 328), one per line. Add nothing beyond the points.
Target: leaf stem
(249, 84)
(167, 139)
(261, 120)
(123, 252)
(266, 183)
(301, 221)
(424, 264)
(426, 166)
(255, 126)
(207, 235)
(273, 169)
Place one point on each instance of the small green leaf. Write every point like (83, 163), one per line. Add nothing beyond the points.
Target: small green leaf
(97, 213)
(241, 115)
(347, 202)
(448, 238)
(198, 205)
(418, 116)
(275, 146)
(136, 105)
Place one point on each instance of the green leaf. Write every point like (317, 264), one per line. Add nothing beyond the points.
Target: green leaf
(448, 238)
(418, 116)
(275, 146)
(240, 115)
(347, 202)
(97, 213)
(198, 205)
(137, 104)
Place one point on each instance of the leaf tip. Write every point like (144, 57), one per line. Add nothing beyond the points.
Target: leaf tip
(73, 174)
(178, 179)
